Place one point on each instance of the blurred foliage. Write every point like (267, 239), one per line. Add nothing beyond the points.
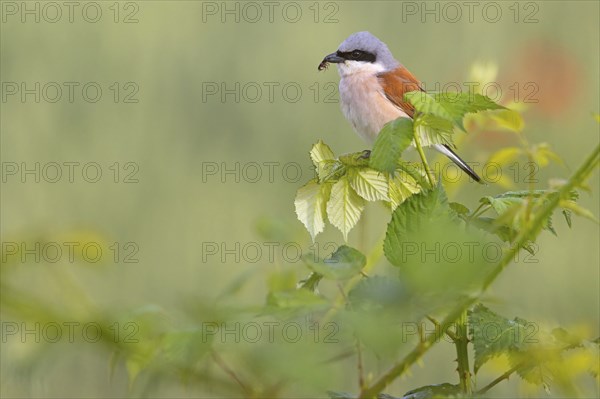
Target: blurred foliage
(177, 321)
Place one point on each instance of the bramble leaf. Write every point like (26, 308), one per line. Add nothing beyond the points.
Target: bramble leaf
(493, 335)
(418, 211)
(451, 106)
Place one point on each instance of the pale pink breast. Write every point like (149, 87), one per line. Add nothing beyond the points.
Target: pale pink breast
(365, 106)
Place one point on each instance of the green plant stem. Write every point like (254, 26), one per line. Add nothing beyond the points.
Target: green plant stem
(528, 233)
(423, 159)
(462, 354)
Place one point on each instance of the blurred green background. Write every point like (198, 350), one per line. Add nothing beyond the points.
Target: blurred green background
(178, 131)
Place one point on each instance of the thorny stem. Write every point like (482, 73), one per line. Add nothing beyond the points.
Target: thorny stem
(462, 355)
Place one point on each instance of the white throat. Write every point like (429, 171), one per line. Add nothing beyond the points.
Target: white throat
(347, 68)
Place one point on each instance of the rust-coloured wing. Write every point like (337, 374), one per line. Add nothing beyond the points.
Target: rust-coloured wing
(397, 82)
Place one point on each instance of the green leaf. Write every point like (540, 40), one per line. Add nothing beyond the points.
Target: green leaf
(425, 103)
(394, 138)
(369, 184)
(310, 203)
(344, 206)
(344, 263)
(413, 214)
(493, 335)
(377, 292)
(459, 208)
(451, 106)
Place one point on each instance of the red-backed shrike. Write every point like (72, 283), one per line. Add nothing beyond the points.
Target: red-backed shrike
(372, 87)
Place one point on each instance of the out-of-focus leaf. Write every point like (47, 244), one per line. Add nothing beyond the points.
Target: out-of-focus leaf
(377, 292)
(509, 119)
(344, 263)
(505, 155)
(445, 390)
(493, 335)
(542, 155)
(418, 210)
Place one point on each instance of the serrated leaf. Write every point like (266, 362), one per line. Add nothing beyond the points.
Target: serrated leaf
(402, 186)
(451, 106)
(394, 138)
(427, 104)
(344, 207)
(413, 214)
(310, 204)
(493, 335)
(370, 184)
(344, 263)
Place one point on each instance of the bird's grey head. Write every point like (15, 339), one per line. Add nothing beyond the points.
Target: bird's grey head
(361, 52)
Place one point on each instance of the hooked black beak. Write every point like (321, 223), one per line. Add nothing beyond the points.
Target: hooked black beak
(333, 58)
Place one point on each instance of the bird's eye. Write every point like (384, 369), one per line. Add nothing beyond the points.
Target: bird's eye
(356, 54)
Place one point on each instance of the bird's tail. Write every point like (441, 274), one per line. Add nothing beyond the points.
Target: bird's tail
(444, 149)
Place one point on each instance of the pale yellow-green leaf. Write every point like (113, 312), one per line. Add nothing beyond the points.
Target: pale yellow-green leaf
(402, 186)
(483, 73)
(578, 210)
(344, 206)
(310, 203)
(369, 184)
(509, 119)
(542, 155)
(321, 152)
(505, 155)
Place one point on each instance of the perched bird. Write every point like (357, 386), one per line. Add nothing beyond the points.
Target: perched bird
(372, 87)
